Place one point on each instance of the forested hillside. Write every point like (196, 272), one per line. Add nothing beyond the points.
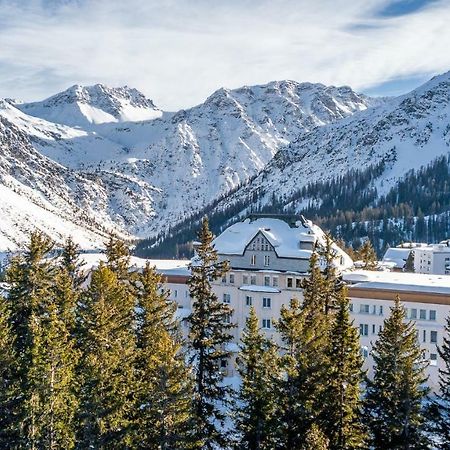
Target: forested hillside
(417, 208)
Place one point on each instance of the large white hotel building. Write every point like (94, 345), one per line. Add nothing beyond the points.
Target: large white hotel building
(269, 257)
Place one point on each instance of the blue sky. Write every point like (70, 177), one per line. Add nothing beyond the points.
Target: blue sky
(179, 51)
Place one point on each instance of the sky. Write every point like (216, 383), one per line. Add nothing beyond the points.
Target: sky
(178, 52)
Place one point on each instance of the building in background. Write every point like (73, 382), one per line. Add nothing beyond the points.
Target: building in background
(428, 258)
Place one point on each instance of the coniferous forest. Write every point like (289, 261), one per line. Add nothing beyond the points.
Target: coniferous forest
(97, 360)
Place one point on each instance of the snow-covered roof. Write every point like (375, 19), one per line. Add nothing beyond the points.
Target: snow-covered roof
(165, 266)
(397, 256)
(284, 238)
(399, 281)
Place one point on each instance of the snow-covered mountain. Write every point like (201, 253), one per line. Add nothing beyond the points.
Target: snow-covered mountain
(67, 168)
(406, 132)
(85, 105)
(140, 177)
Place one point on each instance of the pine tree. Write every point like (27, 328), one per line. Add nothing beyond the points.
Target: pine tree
(409, 264)
(256, 399)
(442, 404)
(30, 277)
(118, 258)
(314, 287)
(164, 388)
(9, 432)
(68, 283)
(394, 400)
(331, 284)
(108, 345)
(303, 332)
(51, 381)
(45, 350)
(208, 337)
(367, 255)
(315, 439)
(343, 407)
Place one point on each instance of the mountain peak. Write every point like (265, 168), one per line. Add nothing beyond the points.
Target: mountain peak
(86, 105)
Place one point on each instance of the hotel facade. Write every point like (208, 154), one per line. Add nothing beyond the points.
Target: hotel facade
(269, 258)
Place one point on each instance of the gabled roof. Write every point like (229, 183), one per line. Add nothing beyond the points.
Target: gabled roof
(284, 238)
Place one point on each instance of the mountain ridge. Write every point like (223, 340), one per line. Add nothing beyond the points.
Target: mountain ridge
(152, 174)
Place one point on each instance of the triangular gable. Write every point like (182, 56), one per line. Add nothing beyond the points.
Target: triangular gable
(263, 235)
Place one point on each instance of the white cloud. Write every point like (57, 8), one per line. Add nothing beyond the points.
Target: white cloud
(179, 51)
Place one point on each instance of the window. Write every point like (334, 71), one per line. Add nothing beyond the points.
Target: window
(364, 309)
(433, 359)
(433, 337)
(424, 336)
(245, 279)
(380, 327)
(224, 279)
(374, 329)
(248, 301)
(253, 260)
(350, 307)
(423, 314)
(223, 363)
(380, 310)
(227, 318)
(365, 352)
(266, 260)
(298, 283)
(266, 281)
(432, 314)
(175, 293)
(275, 281)
(186, 294)
(231, 278)
(267, 302)
(266, 324)
(252, 279)
(413, 313)
(374, 309)
(289, 282)
(227, 298)
(364, 329)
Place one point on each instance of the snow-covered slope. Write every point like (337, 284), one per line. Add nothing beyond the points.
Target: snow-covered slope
(86, 105)
(84, 162)
(406, 132)
(142, 176)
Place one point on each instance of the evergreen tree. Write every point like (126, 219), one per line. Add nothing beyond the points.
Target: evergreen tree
(409, 264)
(394, 400)
(9, 432)
(208, 337)
(164, 387)
(256, 400)
(315, 439)
(303, 332)
(45, 349)
(443, 399)
(331, 284)
(51, 381)
(68, 283)
(118, 258)
(30, 277)
(108, 345)
(343, 408)
(314, 287)
(368, 256)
